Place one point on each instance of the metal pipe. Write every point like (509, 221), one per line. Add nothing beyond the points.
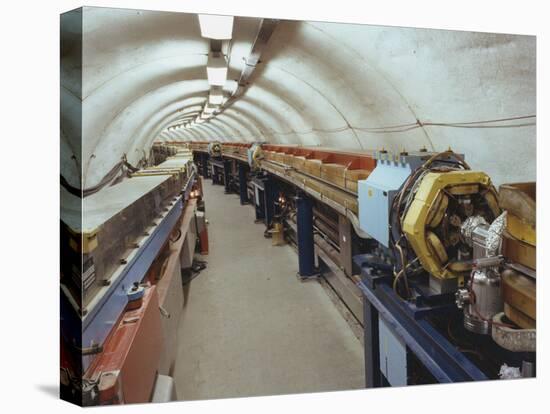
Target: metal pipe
(243, 191)
(267, 27)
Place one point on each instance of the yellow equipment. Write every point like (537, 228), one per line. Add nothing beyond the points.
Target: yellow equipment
(215, 149)
(519, 248)
(442, 201)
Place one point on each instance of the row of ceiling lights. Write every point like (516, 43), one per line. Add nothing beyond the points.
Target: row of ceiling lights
(217, 28)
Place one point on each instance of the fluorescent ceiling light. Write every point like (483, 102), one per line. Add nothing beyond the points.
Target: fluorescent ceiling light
(216, 27)
(215, 98)
(216, 69)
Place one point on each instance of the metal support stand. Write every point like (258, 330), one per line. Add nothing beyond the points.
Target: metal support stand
(265, 190)
(204, 165)
(259, 207)
(217, 171)
(243, 191)
(270, 189)
(372, 346)
(410, 324)
(304, 225)
(227, 175)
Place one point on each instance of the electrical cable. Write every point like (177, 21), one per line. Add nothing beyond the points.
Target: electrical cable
(456, 342)
(408, 189)
(106, 180)
(418, 124)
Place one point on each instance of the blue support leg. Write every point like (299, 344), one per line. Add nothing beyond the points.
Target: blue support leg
(371, 344)
(227, 175)
(205, 165)
(306, 252)
(270, 195)
(215, 173)
(243, 192)
(260, 208)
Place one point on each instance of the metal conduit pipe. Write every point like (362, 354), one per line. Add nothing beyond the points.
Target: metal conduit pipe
(267, 27)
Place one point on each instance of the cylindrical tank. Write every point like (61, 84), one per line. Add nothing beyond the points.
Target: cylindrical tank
(485, 301)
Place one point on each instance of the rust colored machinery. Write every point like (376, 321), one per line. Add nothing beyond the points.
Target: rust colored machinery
(125, 371)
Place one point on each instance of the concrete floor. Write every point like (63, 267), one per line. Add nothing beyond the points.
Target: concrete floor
(250, 327)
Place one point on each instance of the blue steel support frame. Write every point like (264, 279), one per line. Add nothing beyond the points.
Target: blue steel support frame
(304, 222)
(227, 175)
(371, 346)
(266, 188)
(270, 190)
(243, 191)
(204, 164)
(217, 164)
(214, 173)
(409, 322)
(259, 201)
(259, 208)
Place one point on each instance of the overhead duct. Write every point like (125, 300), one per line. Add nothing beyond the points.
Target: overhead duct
(267, 26)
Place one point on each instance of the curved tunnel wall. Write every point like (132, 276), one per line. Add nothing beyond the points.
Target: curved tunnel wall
(335, 85)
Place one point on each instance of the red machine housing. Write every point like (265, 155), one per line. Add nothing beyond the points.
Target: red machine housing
(126, 370)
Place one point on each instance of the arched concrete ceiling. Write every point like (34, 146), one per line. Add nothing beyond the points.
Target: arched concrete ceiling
(336, 85)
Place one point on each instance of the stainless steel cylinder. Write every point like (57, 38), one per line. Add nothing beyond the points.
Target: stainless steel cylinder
(485, 301)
